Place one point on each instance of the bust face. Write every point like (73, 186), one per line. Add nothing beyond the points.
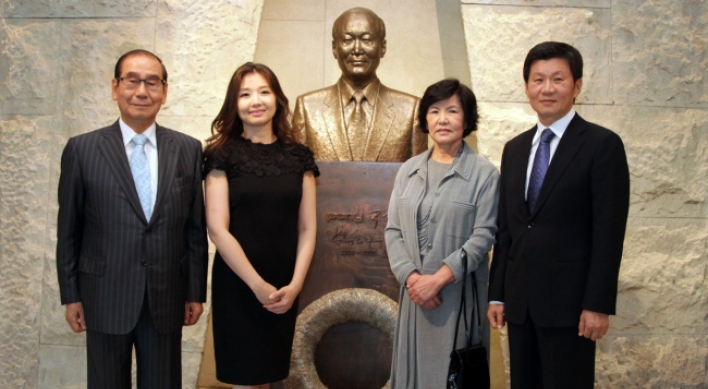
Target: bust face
(358, 47)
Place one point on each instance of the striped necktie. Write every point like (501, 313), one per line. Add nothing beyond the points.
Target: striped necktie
(141, 173)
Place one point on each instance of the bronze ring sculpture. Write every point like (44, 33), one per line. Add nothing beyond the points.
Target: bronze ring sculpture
(338, 307)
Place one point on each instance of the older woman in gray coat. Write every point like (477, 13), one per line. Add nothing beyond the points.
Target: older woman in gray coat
(443, 201)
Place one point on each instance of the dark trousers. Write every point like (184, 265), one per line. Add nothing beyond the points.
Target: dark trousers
(550, 358)
(158, 356)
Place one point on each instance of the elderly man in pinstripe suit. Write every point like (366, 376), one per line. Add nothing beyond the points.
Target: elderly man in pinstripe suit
(131, 236)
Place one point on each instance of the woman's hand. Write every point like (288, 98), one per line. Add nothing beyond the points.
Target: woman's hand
(428, 304)
(424, 289)
(283, 299)
(263, 291)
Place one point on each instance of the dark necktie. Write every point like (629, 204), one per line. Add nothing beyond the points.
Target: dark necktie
(539, 169)
(356, 128)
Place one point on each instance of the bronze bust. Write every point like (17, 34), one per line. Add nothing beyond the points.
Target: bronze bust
(358, 118)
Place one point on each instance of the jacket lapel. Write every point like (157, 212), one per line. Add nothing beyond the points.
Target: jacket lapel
(167, 157)
(519, 161)
(335, 125)
(380, 125)
(568, 147)
(113, 150)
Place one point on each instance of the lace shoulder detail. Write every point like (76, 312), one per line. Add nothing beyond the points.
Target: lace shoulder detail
(275, 159)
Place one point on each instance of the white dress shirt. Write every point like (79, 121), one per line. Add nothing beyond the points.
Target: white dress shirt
(150, 150)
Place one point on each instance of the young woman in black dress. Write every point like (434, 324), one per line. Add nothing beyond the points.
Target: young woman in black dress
(260, 202)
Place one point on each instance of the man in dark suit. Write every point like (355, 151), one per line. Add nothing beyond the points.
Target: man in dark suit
(131, 235)
(564, 198)
(359, 118)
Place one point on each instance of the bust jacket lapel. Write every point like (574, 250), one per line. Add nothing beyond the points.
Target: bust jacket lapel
(335, 127)
(380, 125)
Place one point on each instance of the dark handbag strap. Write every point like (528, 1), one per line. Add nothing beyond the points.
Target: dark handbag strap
(463, 305)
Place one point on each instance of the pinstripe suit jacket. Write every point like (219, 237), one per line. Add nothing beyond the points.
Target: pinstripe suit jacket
(108, 254)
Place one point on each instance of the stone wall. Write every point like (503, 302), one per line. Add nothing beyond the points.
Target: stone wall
(645, 78)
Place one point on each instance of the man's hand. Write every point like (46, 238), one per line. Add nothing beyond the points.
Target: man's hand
(495, 314)
(75, 317)
(593, 325)
(192, 311)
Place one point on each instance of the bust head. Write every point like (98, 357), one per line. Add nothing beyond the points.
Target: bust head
(358, 44)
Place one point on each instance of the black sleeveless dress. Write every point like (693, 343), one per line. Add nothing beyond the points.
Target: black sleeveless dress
(252, 345)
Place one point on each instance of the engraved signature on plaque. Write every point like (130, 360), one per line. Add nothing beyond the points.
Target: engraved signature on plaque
(359, 232)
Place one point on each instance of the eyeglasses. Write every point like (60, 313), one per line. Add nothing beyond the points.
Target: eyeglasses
(151, 84)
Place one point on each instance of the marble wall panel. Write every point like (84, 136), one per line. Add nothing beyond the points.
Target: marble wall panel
(544, 3)
(498, 124)
(413, 60)
(300, 67)
(198, 127)
(91, 48)
(662, 285)
(30, 70)
(659, 53)
(24, 161)
(77, 8)
(202, 44)
(191, 361)
(58, 371)
(651, 362)
(301, 10)
(498, 39)
(667, 151)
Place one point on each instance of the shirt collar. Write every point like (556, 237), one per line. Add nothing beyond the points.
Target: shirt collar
(463, 164)
(128, 133)
(558, 127)
(370, 91)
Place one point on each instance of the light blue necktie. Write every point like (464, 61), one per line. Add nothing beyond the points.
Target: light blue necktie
(539, 169)
(141, 173)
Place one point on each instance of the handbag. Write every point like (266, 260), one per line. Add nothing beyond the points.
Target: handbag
(469, 368)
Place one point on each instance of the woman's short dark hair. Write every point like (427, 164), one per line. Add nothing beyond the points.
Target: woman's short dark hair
(227, 125)
(443, 90)
(550, 50)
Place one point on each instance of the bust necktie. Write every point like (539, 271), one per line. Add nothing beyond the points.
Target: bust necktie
(141, 173)
(539, 169)
(356, 128)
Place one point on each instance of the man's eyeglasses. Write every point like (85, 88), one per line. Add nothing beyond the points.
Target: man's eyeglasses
(151, 84)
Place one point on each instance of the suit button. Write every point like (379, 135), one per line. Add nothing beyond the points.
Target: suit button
(430, 245)
(529, 226)
(143, 263)
(432, 220)
(148, 230)
(437, 194)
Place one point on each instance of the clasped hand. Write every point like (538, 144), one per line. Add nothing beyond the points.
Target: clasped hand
(275, 300)
(423, 290)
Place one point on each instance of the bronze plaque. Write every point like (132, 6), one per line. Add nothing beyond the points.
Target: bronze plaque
(352, 212)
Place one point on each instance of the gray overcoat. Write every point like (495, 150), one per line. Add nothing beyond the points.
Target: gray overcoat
(463, 215)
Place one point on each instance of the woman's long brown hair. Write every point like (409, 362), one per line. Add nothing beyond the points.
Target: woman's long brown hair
(227, 125)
